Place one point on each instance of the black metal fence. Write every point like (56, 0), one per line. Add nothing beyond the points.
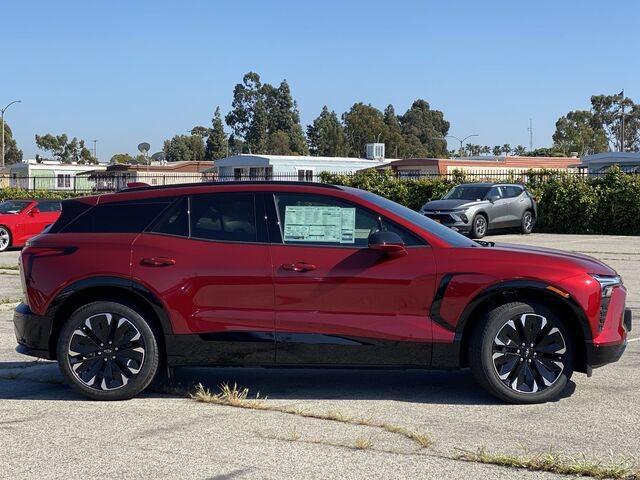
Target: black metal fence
(97, 183)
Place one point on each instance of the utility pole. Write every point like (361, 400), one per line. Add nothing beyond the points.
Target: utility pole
(2, 128)
(622, 122)
(95, 150)
(530, 129)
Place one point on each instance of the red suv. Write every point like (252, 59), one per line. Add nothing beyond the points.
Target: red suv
(298, 274)
(22, 219)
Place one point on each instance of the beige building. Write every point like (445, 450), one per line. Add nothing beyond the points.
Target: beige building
(479, 165)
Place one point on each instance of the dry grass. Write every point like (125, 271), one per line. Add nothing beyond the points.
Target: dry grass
(6, 300)
(232, 396)
(624, 469)
(556, 463)
(239, 397)
(362, 443)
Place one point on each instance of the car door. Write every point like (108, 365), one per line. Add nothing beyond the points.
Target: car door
(338, 302)
(515, 201)
(208, 259)
(31, 221)
(498, 209)
(49, 211)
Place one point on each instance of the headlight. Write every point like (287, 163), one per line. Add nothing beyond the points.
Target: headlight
(461, 215)
(608, 283)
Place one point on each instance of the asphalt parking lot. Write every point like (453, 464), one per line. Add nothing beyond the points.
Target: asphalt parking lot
(48, 431)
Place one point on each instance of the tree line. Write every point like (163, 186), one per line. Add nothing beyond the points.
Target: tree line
(264, 119)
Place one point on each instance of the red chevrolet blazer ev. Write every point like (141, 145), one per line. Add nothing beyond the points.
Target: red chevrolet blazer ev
(298, 274)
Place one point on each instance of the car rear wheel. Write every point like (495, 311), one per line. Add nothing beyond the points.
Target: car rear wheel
(527, 222)
(5, 238)
(522, 353)
(479, 226)
(107, 351)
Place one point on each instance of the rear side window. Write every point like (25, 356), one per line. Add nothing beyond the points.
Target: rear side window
(226, 217)
(119, 217)
(511, 191)
(71, 209)
(49, 206)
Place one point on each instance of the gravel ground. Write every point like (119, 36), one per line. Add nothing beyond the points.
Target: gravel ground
(47, 431)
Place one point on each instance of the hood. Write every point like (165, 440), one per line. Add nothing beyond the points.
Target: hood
(589, 264)
(450, 204)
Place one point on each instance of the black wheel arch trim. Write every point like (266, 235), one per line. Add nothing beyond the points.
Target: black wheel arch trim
(450, 355)
(150, 299)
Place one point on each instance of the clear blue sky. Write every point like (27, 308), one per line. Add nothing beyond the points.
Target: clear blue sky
(124, 72)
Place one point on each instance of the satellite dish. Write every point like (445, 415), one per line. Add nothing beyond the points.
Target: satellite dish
(144, 148)
(158, 157)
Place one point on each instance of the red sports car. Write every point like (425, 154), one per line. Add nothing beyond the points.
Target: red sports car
(22, 219)
(295, 274)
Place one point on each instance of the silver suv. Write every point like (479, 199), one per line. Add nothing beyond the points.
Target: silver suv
(474, 208)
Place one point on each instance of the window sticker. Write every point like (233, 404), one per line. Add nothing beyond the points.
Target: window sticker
(319, 224)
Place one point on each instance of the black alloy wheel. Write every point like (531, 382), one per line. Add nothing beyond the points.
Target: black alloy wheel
(529, 353)
(108, 351)
(522, 352)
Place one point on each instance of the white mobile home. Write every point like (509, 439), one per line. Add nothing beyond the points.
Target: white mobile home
(286, 167)
(50, 175)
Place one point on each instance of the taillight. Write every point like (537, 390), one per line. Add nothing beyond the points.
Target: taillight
(33, 251)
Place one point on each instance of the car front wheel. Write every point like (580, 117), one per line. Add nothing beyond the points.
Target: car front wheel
(5, 238)
(522, 353)
(107, 351)
(479, 226)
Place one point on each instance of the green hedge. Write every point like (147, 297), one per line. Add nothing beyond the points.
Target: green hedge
(9, 193)
(568, 203)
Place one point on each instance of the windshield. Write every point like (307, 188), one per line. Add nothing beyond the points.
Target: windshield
(13, 206)
(452, 238)
(466, 192)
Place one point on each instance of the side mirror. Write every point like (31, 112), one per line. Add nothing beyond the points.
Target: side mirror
(389, 243)
(34, 211)
(493, 198)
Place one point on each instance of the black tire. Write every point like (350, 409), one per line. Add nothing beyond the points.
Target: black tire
(532, 375)
(5, 238)
(527, 222)
(105, 360)
(479, 226)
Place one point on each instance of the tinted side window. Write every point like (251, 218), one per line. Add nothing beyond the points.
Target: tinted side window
(174, 221)
(319, 220)
(121, 217)
(495, 192)
(511, 191)
(227, 217)
(49, 206)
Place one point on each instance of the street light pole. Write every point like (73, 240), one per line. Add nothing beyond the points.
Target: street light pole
(2, 127)
(462, 140)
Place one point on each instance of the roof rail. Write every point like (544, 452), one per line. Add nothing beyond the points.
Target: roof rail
(228, 183)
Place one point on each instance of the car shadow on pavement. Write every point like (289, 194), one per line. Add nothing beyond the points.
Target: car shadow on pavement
(413, 386)
(43, 381)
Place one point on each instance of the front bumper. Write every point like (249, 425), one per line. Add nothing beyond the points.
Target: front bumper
(450, 220)
(603, 354)
(33, 332)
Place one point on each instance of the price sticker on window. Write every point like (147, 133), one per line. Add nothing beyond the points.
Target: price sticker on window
(319, 224)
